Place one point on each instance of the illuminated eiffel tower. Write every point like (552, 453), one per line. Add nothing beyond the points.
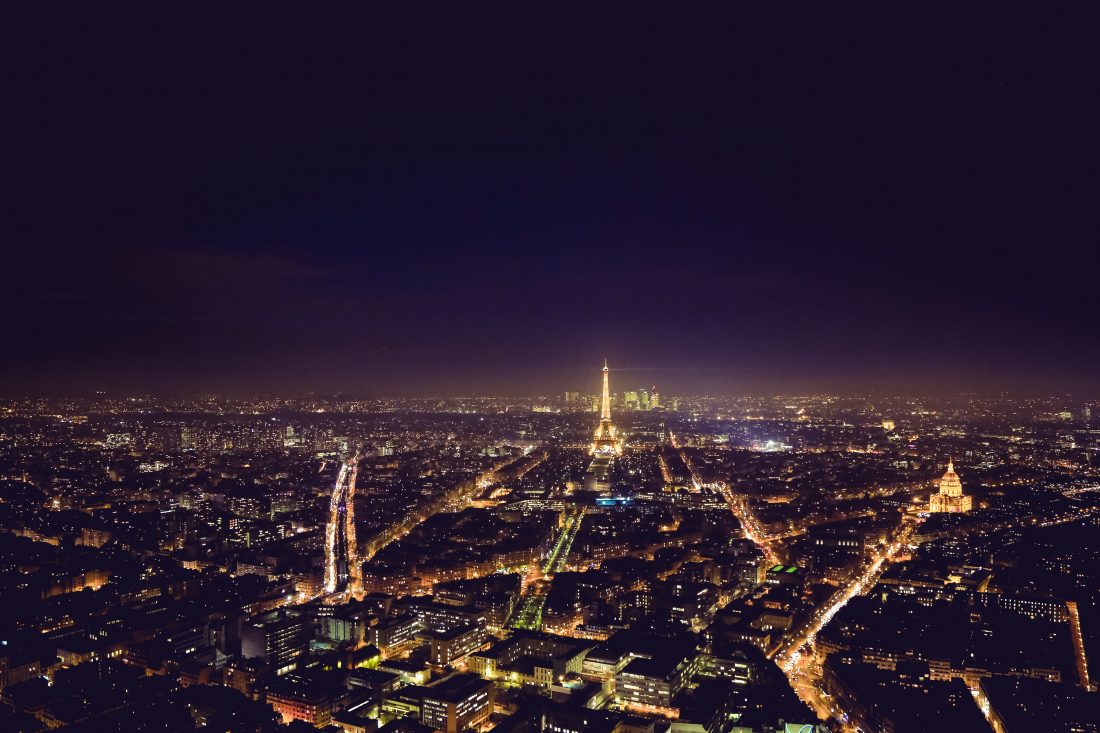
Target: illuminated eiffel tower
(343, 571)
(606, 440)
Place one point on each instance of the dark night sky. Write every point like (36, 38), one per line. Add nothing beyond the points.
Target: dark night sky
(432, 205)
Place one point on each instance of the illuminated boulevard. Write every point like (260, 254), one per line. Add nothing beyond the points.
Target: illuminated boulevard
(456, 499)
(528, 614)
(796, 655)
(343, 571)
(750, 525)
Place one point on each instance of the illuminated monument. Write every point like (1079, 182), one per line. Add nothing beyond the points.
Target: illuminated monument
(343, 571)
(606, 440)
(950, 497)
(605, 445)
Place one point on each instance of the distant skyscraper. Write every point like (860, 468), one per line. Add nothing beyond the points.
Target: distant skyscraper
(950, 497)
(606, 440)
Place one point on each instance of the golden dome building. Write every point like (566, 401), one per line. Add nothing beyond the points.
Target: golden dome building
(950, 497)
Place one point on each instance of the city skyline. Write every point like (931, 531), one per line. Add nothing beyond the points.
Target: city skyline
(396, 562)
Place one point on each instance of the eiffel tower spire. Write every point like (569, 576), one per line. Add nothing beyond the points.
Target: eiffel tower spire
(605, 401)
(606, 440)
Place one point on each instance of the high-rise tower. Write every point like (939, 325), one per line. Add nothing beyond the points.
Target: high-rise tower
(343, 571)
(606, 440)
